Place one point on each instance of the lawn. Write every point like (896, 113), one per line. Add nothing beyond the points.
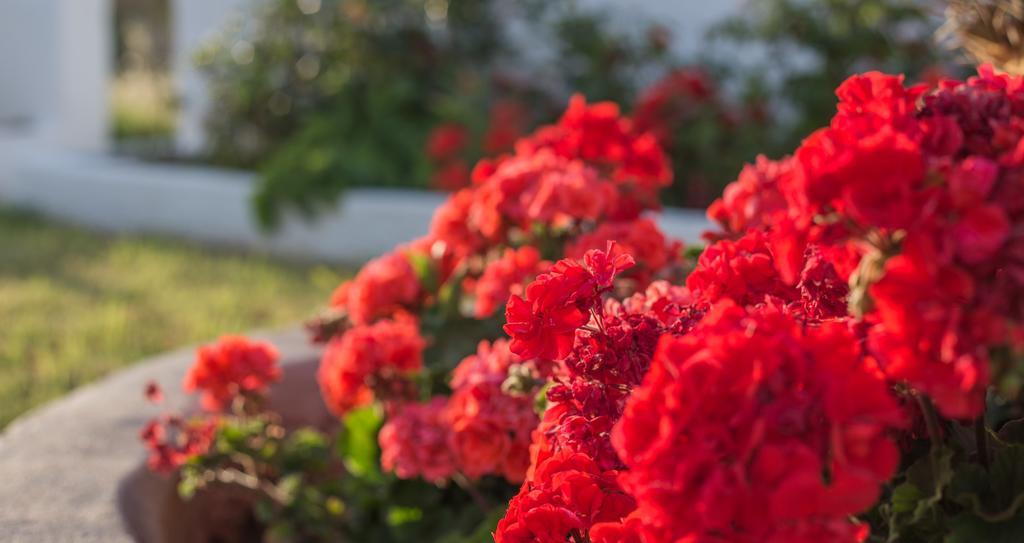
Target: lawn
(75, 304)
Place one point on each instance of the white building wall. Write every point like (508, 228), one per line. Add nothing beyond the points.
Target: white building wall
(28, 38)
(193, 22)
(55, 61)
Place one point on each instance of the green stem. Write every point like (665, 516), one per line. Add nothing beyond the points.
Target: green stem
(467, 485)
(981, 439)
(931, 419)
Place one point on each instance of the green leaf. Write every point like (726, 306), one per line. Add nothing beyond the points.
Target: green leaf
(1012, 432)
(290, 484)
(480, 534)
(305, 448)
(398, 516)
(968, 528)
(996, 494)
(357, 443)
(916, 498)
(190, 483)
(423, 265)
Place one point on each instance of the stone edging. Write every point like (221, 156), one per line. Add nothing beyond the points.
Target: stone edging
(61, 465)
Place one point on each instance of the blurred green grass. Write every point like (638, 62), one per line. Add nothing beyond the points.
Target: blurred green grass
(75, 304)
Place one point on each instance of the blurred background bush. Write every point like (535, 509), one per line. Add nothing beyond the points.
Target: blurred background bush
(320, 95)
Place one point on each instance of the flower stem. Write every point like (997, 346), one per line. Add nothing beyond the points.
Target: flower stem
(471, 489)
(981, 439)
(931, 419)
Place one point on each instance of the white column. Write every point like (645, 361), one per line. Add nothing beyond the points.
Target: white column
(27, 62)
(193, 22)
(84, 61)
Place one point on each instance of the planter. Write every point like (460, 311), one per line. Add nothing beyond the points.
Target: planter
(149, 502)
(73, 471)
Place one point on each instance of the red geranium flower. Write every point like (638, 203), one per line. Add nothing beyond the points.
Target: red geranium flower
(232, 366)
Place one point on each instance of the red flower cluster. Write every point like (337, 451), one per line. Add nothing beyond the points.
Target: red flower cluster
(506, 125)
(233, 366)
(445, 145)
(414, 441)
(670, 102)
(753, 200)
(384, 285)
(448, 145)
(368, 360)
(591, 166)
(756, 427)
(641, 238)
(483, 429)
(544, 323)
(172, 441)
(502, 277)
(556, 189)
(603, 347)
(491, 412)
(914, 196)
(571, 494)
(599, 136)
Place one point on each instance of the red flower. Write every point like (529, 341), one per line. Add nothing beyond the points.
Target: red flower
(368, 359)
(446, 141)
(542, 332)
(491, 423)
(172, 441)
(507, 124)
(913, 195)
(640, 238)
(504, 276)
(745, 462)
(154, 394)
(742, 270)
(384, 285)
(451, 177)
(567, 495)
(755, 199)
(414, 442)
(232, 366)
(980, 234)
(544, 324)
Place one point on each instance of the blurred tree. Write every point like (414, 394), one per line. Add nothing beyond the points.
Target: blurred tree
(813, 45)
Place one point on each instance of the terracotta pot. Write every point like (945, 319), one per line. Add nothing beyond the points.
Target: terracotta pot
(149, 502)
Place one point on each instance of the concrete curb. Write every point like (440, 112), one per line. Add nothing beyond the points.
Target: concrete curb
(61, 464)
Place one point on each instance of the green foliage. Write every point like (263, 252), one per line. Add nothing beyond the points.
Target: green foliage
(357, 444)
(816, 44)
(347, 95)
(956, 493)
(912, 511)
(310, 487)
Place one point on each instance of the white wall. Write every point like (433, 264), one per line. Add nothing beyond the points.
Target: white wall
(55, 61)
(85, 60)
(193, 22)
(27, 48)
(213, 206)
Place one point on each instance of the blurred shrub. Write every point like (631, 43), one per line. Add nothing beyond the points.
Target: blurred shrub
(811, 46)
(320, 95)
